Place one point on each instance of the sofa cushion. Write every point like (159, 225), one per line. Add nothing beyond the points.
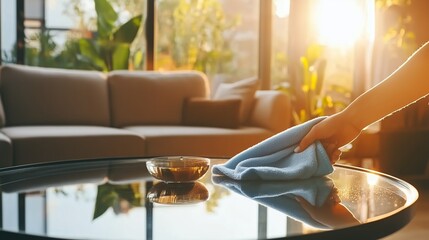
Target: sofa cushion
(212, 113)
(44, 96)
(5, 151)
(32, 144)
(244, 90)
(198, 141)
(150, 97)
(271, 110)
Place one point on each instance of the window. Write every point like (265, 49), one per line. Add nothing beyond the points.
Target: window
(8, 31)
(218, 37)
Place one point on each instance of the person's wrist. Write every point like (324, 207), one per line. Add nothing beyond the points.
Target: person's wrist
(354, 118)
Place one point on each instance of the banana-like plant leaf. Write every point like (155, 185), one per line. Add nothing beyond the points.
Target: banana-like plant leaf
(106, 18)
(128, 31)
(109, 195)
(88, 50)
(106, 197)
(110, 49)
(138, 58)
(121, 56)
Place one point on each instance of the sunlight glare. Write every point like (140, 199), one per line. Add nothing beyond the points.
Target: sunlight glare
(338, 22)
(282, 8)
(372, 179)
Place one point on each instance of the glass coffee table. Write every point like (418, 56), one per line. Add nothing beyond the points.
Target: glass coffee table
(118, 199)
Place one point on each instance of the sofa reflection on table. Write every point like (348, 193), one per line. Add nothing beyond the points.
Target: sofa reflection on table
(51, 115)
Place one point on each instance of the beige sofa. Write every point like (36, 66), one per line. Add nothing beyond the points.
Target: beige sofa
(57, 114)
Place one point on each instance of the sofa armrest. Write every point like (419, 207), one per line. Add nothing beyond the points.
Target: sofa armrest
(5, 151)
(271, 110)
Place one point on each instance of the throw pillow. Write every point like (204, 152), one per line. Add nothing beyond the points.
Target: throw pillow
(244, 90)
(212, 113)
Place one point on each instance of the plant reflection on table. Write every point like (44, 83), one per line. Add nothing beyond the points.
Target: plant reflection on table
(121, 198)
(313, 201)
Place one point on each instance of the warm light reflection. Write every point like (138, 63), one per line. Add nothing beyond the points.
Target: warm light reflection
(371, 179)
(282, 8)
(338, 22)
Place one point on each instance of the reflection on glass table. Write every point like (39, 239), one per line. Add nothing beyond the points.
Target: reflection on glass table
(119, 199)
(313, 201)
(178, 193)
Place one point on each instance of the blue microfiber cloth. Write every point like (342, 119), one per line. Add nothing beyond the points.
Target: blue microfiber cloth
(275, 159)
(281, 195)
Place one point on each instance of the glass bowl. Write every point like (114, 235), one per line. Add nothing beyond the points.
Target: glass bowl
(178, 193)
(178, 169)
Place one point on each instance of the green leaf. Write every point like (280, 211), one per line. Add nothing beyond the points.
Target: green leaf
(106, 18)
(138, 58)
(128, 31)
(109, 195)
(121, 56)
(89, 51)
(106, 196)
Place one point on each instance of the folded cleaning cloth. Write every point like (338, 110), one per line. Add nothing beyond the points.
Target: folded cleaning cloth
(282, 195)
(275, 159)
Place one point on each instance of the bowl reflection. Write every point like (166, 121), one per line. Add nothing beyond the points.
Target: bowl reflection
(178, 193)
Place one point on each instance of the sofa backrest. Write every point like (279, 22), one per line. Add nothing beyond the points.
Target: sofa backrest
(152, 97)
(42, 96)
(2, 117)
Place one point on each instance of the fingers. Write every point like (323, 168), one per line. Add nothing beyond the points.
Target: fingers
(332, 150)
(330, 147)
(335, 156)
(305, 142)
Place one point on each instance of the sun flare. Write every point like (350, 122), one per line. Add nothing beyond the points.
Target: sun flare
(338, 22)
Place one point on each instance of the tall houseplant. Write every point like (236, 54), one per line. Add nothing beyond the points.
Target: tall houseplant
(309, 100)
(104, 50)
(109, 48)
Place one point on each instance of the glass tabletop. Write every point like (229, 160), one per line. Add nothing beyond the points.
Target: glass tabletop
(119, 199)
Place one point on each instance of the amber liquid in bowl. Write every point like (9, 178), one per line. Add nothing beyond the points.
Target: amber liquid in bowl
(180, 169)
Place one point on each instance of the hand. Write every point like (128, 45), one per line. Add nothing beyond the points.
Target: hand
(333, 132)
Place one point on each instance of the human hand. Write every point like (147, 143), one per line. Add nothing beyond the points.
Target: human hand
(333, 132)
